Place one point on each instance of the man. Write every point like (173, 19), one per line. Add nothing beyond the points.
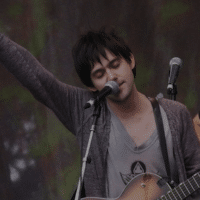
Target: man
(125, 142)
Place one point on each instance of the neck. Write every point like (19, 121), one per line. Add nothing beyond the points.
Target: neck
(135, 105)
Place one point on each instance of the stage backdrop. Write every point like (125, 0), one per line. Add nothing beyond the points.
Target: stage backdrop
(39, 158)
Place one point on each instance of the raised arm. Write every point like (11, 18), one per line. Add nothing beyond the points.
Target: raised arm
(59, 97)
(26, 68)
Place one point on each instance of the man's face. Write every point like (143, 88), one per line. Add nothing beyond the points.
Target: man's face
(113, 69)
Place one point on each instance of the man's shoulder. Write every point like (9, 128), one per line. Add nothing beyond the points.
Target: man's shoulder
(79, 91)
(168, 103)
(176, 111)
(172, 107)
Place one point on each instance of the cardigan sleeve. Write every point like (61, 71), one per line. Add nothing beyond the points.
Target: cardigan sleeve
(185, 141)
(65, 100)
(190, 147)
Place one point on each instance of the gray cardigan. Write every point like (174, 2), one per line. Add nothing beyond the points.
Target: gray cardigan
(67, 103)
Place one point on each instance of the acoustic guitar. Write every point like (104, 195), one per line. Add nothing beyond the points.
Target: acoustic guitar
(148, 186)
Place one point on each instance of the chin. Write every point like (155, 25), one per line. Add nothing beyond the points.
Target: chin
(123, 95)
(119, 98)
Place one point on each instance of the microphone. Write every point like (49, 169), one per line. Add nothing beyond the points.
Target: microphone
(111, 87)
(175, 65)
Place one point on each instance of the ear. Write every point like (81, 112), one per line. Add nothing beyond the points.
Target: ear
(132, 61)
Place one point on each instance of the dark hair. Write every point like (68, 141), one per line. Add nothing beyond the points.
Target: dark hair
(86, 52)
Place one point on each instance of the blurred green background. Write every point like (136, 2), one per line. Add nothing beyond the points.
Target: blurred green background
(39, 158)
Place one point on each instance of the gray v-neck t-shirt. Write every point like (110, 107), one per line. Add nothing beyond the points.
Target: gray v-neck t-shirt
(127, 160)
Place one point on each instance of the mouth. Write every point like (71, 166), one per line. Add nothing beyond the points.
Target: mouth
(121, 84)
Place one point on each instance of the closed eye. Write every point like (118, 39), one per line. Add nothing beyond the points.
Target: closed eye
(115, 63)
(115, 66)
(98, 74)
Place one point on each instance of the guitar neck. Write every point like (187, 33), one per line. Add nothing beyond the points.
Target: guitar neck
(184, 189)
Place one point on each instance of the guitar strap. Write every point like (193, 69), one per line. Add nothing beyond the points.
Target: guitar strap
(82, 195)
(161, 134)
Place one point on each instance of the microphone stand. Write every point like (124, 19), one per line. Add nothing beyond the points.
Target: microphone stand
(96, 114)
(172, 91)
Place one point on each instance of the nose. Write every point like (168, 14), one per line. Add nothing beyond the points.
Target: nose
(111, 75)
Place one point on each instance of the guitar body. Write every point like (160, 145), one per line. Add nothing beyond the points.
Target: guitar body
(145, 186)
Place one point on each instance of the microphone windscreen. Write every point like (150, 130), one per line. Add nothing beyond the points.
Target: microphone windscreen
(176, 61)
(114, 85)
